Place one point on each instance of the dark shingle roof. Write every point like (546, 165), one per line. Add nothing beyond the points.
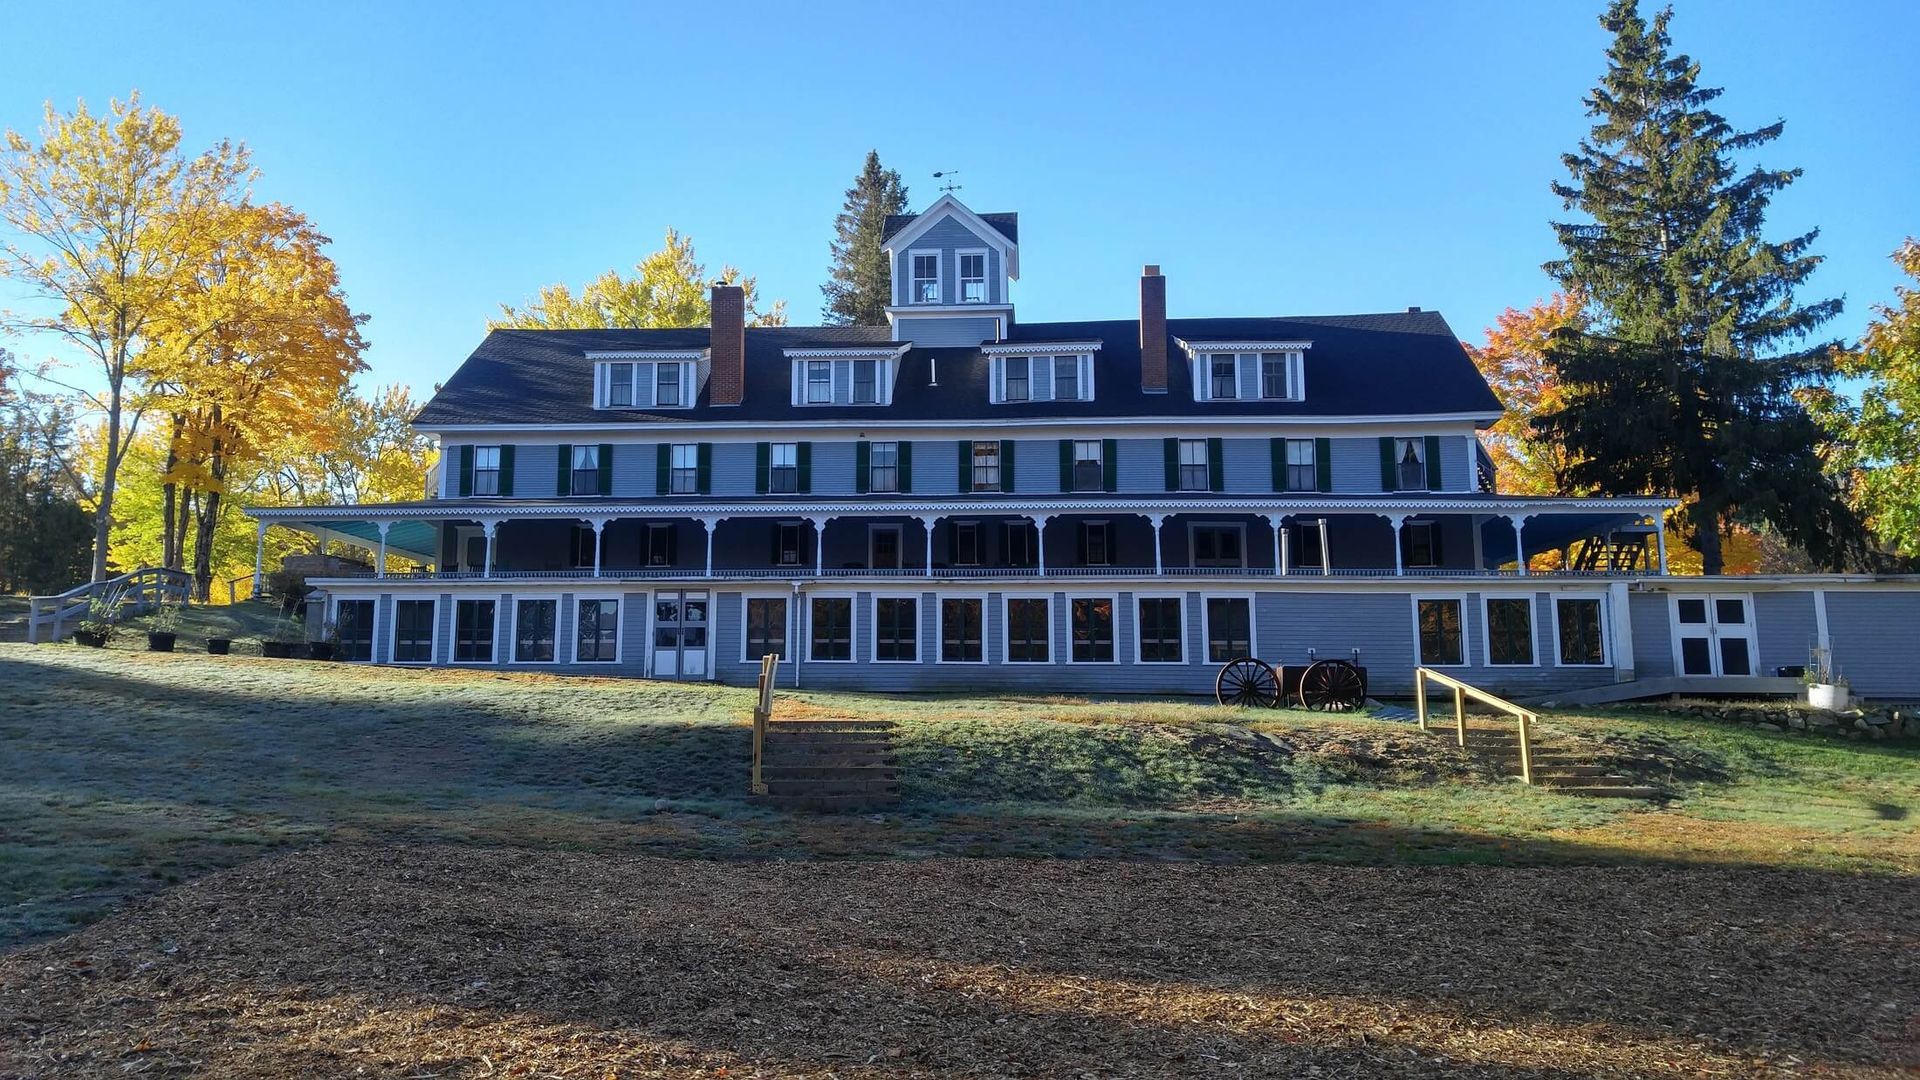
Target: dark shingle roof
(1360, 365)
(1007, 225)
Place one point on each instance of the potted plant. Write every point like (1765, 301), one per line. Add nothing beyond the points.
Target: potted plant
(100, 625)
(321, 648)
(1825, 689)
(162, 626)
(222, 644)
(285, 638)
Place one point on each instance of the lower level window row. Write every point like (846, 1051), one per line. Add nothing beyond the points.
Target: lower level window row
(1507, 624)
(477, 634)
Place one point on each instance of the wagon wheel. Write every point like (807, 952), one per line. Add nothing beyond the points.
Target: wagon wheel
(1247, 681)
(1333, 686)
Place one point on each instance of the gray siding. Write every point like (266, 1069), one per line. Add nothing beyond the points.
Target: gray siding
(1873, 636)
(1356, 465)
(949, 237)
(933, 331)
(1786, 627)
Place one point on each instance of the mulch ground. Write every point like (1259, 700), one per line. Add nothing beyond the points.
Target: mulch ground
(464, 962)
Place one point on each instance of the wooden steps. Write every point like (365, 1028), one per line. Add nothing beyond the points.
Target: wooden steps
(829, 765)
(1556, 765)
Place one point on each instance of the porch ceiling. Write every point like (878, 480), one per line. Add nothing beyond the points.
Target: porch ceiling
(413, 539)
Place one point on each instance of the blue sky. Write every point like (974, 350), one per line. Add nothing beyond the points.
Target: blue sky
(1300, 159)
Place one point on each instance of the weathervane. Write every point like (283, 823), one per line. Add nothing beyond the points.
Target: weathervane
(948, 174)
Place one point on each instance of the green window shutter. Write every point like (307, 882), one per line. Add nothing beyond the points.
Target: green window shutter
(803, 464)
(860, 471)
(906, 466)
(1277, 455)
(1066, 464)
(762, 466)
(1323, 464)
(1433, 463)
(564, 485)
(662, 466)
(606, 469)
(1110, 464)
(1386, 464)
(966, 466)
(1006, 465)
(1171, 448)
(506, 469)
(1216, 465)
(703, 476)
(466, 471)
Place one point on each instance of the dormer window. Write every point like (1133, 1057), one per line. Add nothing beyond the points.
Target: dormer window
(1223, 369)
(644, 384)
(819, 382)
(845, 376)
(1248, 370)
(973, 277)
(667, 383)
(865, 385)
(620, 386)
(1055, 371)
(926, 277)
(1017, 368)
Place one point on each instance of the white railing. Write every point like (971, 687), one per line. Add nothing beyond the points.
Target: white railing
(48, 616)
(961, 573)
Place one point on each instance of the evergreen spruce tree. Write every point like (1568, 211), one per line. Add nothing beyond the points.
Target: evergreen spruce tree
(857, 289)
(1691, 377)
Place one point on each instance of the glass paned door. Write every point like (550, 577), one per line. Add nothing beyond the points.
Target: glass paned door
(680, 635)
(1713, 634)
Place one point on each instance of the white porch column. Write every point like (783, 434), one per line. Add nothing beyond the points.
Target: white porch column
(711, 523)
(1399, 560)
(1280, 553)
(1519, 541)
(929, 520)
(1157, 520)
(1326, 552)
(488, 527)
(380, 567)
(1660, 537)
(819, 545)
(259, 555)
(599, 529)
(1040, 539)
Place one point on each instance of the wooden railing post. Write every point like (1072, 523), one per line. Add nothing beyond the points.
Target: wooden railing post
(1460, 712)
(762, 712)
(1526, 752)
(1420, 695)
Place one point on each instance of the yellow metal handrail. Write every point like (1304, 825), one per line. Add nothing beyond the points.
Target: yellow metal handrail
(762, 712)
(1463, 691)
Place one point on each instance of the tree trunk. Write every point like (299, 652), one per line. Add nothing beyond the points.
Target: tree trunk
(1707, 539)
(209, 517)
(109, 476)
(171, 539)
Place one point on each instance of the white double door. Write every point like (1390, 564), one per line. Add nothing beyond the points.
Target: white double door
(1713, 634)
(680, 634)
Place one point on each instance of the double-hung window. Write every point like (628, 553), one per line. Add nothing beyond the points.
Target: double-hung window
(962, 630)
(1273, 375)
(1410, 462)
(783, 468)
(766, 626)
(831, 624)
(1022, 541)
(1159, 629)
(1302, 468)
(473, 631)
(1096, 543)
(926, 278)
(786, 540)
(1195, 471)
(684, 477)
(896, 629)
(659, 543)
(1029, 630)
(883, 466)
(1441, 635)
(819, 382)
(966, 543)
(866, 382)
(986, 466)
(596, 638)
(1092, 625)
(586, 469)
(486, 470)
(1013, 378)
(1066, 378)
(620, 386)
(1089, 468)
(666, 384)
(1229, 628)
(973, 277)
(1223, 373)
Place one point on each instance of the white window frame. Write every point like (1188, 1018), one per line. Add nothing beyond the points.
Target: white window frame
(1084, 373)
(806, 382)
(919, 627)
(605, 395)
(914, 280)
(1419, 445)
(999, 478)
(872, 466)
(1486, 628)
(774, 465)
(373, 633)
(573, 468)
(1312, 464)
(960, 276)
(1205, 464)
(1201, 358)
(1193, 528)
(1207, 376)
(475, 485)
(786, 641)
(619, 630)
(453, 629)
(1206, 623)
(1113, 607)
(940, 629)
(393, 631)
(674, 468)
(1606, 643)
(680, 382)
(1000, 381)
(1006, 630)
(1138, 652)
(513, 650)
(1099, 459)
(1466, 631)
(853, 626)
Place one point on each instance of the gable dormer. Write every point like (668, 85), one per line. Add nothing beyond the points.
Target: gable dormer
(950, 270)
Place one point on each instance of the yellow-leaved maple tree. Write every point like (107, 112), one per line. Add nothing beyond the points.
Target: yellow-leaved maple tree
(1514, 362)
(669, 288)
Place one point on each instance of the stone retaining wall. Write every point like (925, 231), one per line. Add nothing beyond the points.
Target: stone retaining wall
(1865, 722)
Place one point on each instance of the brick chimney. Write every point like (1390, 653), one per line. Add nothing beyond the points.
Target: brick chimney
(1153, 331)
(727, 350)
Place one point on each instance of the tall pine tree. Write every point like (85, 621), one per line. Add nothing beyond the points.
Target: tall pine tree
(1690, 378)
(857, 289)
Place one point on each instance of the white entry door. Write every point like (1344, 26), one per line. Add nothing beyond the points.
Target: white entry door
(1713, 634)
(680, 635)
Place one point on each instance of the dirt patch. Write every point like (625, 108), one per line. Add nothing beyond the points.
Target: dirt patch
(1379, 753)
(456, 962)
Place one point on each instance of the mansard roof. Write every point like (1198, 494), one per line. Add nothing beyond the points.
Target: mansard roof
(1401, 364)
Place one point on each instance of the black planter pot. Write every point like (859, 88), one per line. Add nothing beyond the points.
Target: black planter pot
(320, 650)
(277, 650)
(90, 639)
(159, 642)
(219, 646)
